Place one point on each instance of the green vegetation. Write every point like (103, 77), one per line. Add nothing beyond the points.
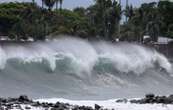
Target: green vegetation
(152, 19)
(101, 20)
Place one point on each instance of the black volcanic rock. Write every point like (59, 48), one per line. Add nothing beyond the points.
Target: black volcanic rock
(24, 103)
(151, 98)
(122, 101)
(82, 108)
(97, 107)
(23, 98)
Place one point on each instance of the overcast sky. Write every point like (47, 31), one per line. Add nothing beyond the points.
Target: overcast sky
(70, 4)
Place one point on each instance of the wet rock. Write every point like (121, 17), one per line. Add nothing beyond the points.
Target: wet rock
(171, 96)
(151, 98)
(54, 109)
(50, 104)
(97, 107)
(36, 104)
(82, 108)
(134, 101)
(4, 100)
(122, 101)
(28, 108)
(45, 105)
(23, 98)
(24, 103)
(2, 108)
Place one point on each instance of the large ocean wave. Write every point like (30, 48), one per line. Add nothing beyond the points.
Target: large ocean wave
(70, 67)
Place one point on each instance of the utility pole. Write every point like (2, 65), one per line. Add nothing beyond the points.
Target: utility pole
(127, 6)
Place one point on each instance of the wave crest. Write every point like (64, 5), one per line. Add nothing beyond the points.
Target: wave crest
(79, 56)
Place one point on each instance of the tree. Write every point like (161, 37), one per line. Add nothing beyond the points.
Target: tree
(60, 1)
(146, 19)
(42, 3)
(165, 9)
(170, 31)
(33, 1)
(153, 30)
(49, 3)
(80, 10)
(105, 16)
(112, 19)
(129, 12)
(57, 2)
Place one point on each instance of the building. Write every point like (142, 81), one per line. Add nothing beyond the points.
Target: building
(163, 40)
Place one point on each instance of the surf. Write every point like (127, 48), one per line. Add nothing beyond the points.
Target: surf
(70, 68)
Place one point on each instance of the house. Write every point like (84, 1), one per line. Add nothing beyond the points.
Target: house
(160, 41)
(163, 40)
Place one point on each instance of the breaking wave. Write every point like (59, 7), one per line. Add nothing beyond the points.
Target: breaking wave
(46, 65)
(83, 56)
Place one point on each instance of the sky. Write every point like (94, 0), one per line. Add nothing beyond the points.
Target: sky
(70, 4)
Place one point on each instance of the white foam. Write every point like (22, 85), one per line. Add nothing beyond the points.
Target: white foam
(111, 104)
(2, 59)
(132, 58)
(84, 55)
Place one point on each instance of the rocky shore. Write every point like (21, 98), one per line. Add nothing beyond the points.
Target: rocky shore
(24, 103)
(152, 99)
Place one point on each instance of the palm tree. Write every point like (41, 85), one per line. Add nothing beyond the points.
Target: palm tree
(49, 3)
(129, 12)
(56, 2)
(42, 3)
(127, 6)
(33, 1)
(60, 1)
(153, 30)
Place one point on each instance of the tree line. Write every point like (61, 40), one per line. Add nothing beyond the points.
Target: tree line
(102, 20)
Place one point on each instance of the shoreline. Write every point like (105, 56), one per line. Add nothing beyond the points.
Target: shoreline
(147, 103)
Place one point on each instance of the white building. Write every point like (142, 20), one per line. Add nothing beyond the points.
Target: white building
(163, 40)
